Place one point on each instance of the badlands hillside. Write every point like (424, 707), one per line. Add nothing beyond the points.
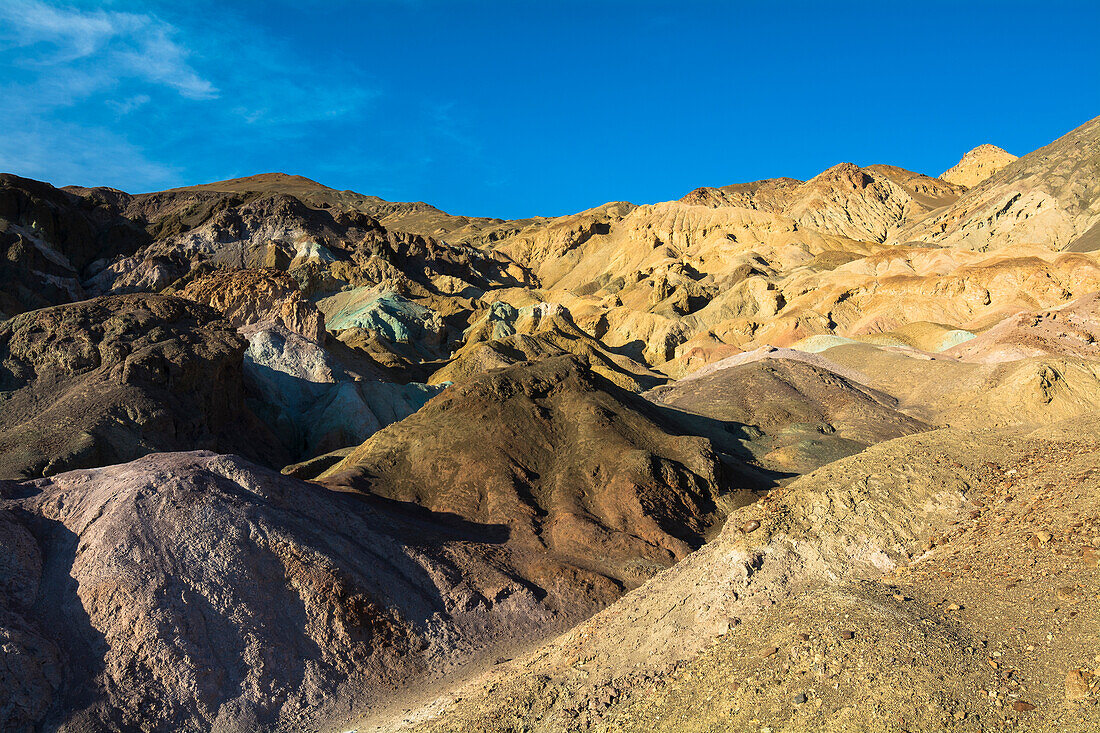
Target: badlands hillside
(776, 456)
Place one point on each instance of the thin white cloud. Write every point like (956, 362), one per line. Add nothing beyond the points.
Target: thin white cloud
(128, 105)
(104, 95)
(117, 45)
(64, 153)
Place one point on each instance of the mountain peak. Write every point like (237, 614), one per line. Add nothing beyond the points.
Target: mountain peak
(263, 182)
(978, 165)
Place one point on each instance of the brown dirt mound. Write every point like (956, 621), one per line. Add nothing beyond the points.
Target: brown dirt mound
(807, 414)
(591, 475)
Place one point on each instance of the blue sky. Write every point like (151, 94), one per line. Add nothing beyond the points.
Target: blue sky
(520, 108)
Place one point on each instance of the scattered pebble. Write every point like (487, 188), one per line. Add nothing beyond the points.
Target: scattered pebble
(750, 526)
(1022, 706)
(800, 698)
(1068, 593)
(768, 651)
(1078, 684)
(846, 634)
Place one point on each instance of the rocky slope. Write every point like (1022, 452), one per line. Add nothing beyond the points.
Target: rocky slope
(944, 391)
(1050, 196)
(857, 598)
(110, 379)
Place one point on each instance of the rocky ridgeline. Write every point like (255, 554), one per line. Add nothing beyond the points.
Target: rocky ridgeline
(488, 431)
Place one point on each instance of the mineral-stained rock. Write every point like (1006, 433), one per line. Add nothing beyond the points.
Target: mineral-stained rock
(312, 401)
(112, 378)
(247, 297)
(1072, 329)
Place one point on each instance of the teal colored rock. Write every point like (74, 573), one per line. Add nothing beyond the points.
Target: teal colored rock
(954, 338)
(312, 403)
(392, 316)
(501, 318)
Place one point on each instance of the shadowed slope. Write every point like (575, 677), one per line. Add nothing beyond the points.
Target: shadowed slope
(804, 414)
(193, 591)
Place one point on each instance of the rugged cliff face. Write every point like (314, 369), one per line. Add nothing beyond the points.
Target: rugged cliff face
(53, 241)
(258, 298)
(113, 378)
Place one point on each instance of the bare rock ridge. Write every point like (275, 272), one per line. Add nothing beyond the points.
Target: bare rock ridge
(1070, 330)
(860, 203)
(1050, 196)
(53, 241)
(977, 165)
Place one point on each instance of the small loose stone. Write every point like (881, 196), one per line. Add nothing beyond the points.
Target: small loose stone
(1022, 706)
(750, 526)
(800, 698)
(1078, 684)
(846, 634)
